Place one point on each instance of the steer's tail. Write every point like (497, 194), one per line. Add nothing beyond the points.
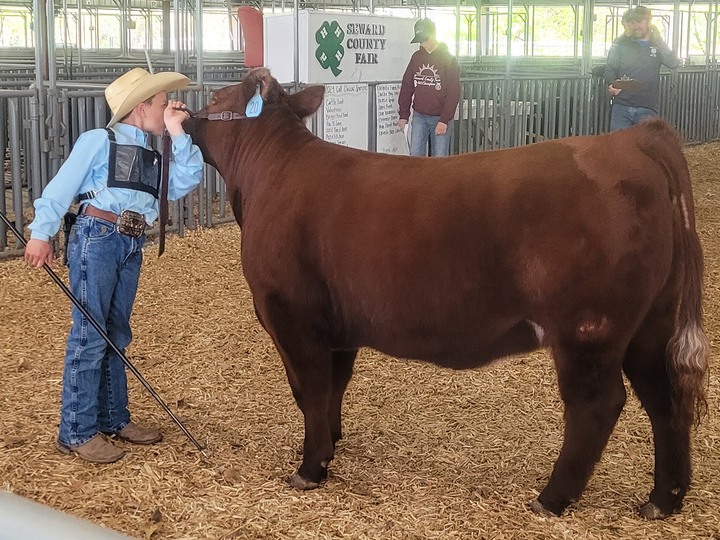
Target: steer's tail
(687, 351)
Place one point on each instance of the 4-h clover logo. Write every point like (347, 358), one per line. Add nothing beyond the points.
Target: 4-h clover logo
(330, 37)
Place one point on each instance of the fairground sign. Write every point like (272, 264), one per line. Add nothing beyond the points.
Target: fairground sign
(339, 47)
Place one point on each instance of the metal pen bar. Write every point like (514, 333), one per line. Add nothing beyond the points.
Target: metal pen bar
(14, 139)
(107, 339)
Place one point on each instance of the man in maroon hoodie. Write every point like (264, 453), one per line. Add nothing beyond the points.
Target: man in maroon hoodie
(433, 79)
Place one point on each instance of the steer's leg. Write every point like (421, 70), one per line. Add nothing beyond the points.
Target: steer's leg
(309, 372)
(645, 366)
(342, 370)
(591, 386)
(308, 363)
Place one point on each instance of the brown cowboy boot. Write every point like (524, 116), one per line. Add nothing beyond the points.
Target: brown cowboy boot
(96, 450)
(139, 435)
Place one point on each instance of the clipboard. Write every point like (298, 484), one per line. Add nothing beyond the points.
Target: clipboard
(627, 85)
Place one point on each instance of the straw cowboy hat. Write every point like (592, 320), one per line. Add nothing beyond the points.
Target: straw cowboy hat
(137, 85)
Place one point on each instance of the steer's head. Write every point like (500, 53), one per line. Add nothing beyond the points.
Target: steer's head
(230, 103)
(235, 98)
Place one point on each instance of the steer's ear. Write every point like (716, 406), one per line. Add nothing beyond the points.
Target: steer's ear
(307, 101)
(262, 77)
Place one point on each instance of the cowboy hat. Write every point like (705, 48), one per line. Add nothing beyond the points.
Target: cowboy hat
(137, 85)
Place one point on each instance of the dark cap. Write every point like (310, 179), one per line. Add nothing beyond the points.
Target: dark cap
(627, 15)
(424, 28)
(640, 13)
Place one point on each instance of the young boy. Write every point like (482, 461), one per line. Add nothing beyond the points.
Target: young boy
(115, 175)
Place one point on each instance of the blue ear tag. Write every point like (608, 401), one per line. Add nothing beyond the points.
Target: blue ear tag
(255, 105)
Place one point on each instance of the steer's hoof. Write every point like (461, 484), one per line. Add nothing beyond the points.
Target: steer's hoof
(651, 511)
(299, 482)
(537, 507)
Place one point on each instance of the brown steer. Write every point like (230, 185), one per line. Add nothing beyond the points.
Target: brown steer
(585, 245)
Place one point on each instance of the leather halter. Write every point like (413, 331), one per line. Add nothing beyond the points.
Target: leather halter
(225, 116)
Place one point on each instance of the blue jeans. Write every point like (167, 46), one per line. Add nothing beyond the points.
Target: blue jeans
(104, 271)
(624, 116)
(423, 131)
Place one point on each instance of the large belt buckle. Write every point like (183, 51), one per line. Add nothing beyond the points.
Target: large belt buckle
(131, 224)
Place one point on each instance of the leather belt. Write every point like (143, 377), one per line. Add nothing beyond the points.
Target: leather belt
(102, 214)
(128, 223)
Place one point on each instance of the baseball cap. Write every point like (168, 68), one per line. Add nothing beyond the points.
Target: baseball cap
(424, 28)
(639, 13)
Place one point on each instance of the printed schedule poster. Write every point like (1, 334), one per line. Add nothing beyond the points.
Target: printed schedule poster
(390, 138)
(345, 112)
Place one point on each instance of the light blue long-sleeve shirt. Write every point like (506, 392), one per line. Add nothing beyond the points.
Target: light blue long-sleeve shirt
(86, 169)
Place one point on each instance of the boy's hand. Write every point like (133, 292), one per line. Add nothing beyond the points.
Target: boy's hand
(175, 118)
(38, 252)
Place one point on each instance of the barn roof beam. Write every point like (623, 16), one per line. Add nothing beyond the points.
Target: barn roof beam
(224, 5)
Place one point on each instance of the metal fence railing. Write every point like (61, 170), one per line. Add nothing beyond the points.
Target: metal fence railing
(501, 112)
(38, 129)
(21, 153)
(690, 101)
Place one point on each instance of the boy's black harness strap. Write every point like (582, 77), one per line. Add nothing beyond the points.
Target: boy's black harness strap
(131, 166)
(87, 195)
(112, 155)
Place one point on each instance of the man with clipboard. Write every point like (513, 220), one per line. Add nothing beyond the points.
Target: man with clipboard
(633, 70)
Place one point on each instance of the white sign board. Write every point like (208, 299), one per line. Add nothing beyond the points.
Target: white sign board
(345, 115)
(390, 138)
(338, 47)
